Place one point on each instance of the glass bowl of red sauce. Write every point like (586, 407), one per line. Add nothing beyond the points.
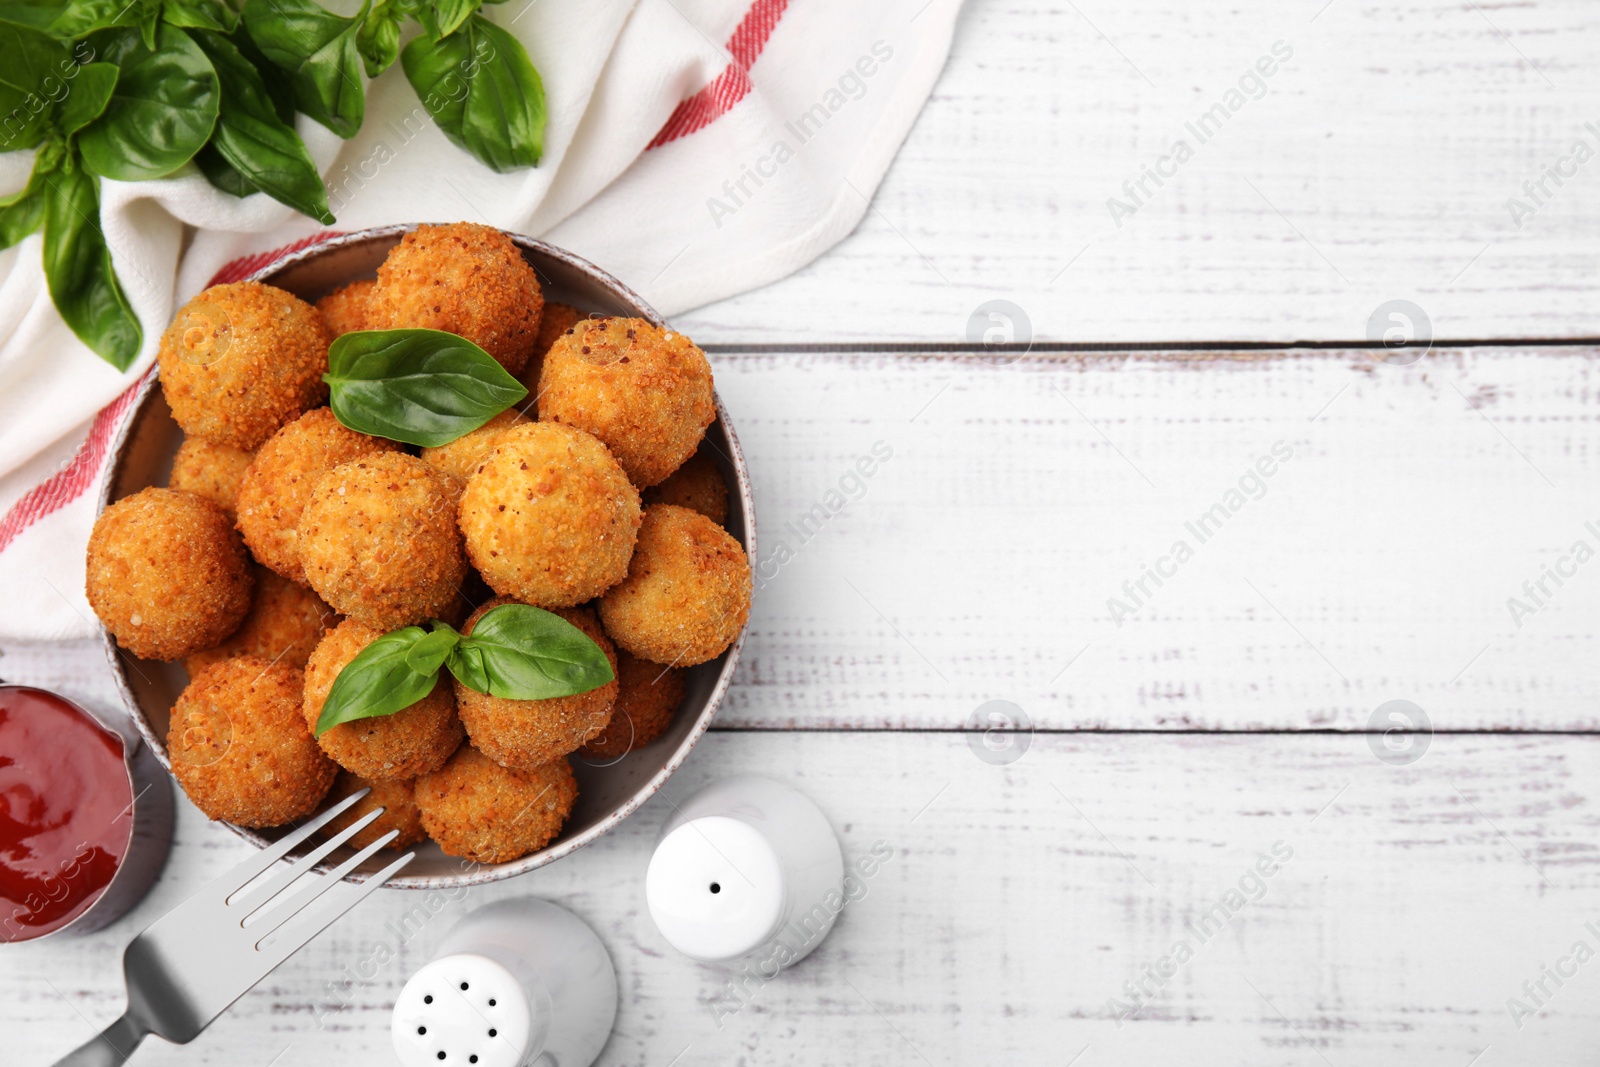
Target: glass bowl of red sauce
(85, 817)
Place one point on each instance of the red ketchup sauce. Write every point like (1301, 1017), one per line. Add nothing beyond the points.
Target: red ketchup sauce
(66, 812)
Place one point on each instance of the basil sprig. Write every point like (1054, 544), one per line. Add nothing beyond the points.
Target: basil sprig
(421, 387)
(514, 651)
(473, 77)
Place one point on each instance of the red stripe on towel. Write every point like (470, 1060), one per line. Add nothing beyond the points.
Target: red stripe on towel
(733, 84)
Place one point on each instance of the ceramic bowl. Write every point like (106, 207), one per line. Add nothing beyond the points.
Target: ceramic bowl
(608, 791)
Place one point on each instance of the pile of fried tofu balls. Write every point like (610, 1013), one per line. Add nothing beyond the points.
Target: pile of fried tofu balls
(286, 543)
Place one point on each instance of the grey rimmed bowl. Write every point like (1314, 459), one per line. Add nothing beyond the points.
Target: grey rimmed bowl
(608, 792)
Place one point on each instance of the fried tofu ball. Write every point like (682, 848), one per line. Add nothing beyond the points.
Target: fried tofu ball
(648, 696)
(394, 795)
(556, 320)
(345, 309)
(522, 734)
(242, 359)
(549, 517)
(167, 573)
(240, 748)
(697, 485)
(645, 392)
(476, 809)
(208, 469)
(412, 741)
(687, 594)
(285, 622)
(280, 479)
(379, 542)
(460, 458)
(464, 279)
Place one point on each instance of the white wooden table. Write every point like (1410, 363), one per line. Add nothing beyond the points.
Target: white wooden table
(1221, 718)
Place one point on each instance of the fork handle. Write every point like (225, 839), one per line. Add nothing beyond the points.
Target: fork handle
(111, 1047)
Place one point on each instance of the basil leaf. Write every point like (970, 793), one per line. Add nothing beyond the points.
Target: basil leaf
(379, 38)
(422, 387)
(318, 50)
(163, 109)
(88, 97)
(260, 151)
(23, 213)
(279, 85)
(430, 652)
(441, 18)
(482, 90)
(77, 265)
(377, 682)
(32, 69)
(528, 653)
(466, 662)
(81, 17)
(220, 173)
(200, 15)
(33, 14)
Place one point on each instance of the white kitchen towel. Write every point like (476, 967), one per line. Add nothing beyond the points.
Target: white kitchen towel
(695, 149)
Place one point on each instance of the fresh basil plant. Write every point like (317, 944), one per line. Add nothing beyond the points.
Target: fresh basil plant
(133, 90)
(514, 651)
(421, 387)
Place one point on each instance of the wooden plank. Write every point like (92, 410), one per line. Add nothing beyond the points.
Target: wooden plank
(1379, 164)
(1406, 905)
(979, 559)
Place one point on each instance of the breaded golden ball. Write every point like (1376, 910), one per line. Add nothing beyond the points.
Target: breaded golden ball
(242, 359)
(412, 741)
(521, 734)
(394, 795)
(687, 594)
(648, 696)
(208, 469)
(280, 479)
(379, 542)
(549, 517)
(285, 622)
(167, 573)
(460, 458)
(345, 309)
(697, 485)
(464, 279)
(478, 810)
(645, 392)
(240, 748)
(556, 320)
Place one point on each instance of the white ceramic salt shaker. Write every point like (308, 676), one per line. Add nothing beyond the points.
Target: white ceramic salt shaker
(516, 983)
(745, 867)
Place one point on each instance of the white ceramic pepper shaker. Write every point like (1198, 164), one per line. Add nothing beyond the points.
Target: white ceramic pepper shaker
(746, 867)
(516, 983)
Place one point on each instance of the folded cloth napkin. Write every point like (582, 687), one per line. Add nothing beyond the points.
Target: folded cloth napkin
(694, 148)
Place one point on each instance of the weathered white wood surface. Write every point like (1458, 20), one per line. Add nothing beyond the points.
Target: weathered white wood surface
(1018, 901)
(977, 563)
(1377, 166)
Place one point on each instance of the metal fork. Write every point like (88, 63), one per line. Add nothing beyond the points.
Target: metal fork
(210, 950)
